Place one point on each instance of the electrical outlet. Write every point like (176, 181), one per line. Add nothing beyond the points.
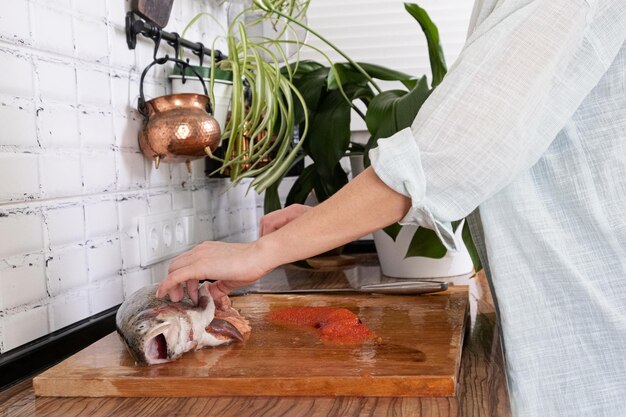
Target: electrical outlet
(164, 235)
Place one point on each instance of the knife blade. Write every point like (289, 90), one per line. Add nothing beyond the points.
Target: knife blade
(393, 288)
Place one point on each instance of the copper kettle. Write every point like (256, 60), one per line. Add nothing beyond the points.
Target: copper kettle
(177, 127)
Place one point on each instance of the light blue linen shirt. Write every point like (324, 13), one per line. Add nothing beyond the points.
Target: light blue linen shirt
(529, 126)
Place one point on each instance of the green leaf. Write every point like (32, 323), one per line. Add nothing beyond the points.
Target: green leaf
(311, 85)
(348, 74)
(271, 201)
(435, 52)
(388, 74)
(392, 111)
(327, 186)
(380, 117)
(329, 132)
(426, 243)
(407, 107)
(302, 67)
(303, 186)
(393, 230)
(471, 248)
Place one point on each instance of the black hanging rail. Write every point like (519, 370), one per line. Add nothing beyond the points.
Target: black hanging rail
(136, 26)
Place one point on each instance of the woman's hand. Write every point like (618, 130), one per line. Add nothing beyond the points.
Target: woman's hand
(233, 265)
(279, 218)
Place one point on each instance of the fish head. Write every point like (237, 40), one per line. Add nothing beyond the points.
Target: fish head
(158, 330)
(158, 335)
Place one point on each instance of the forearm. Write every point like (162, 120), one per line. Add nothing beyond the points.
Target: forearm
(364, 205)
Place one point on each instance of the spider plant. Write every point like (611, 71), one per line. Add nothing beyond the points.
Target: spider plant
(261, 124)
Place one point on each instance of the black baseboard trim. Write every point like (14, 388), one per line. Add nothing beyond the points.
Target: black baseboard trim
(32, 358)
(360, 246)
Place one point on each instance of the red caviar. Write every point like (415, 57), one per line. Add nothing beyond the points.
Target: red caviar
(337, 325)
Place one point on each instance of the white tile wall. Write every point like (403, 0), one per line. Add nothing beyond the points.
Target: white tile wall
(57, 81)
(117, 11)
(130, 170)
(160, 203)
(157, 177)
(90, 8)
(17, 74)
(104, 260)
(121, 56)
(20, 176)
(88, 93)
(23, 327)
(99, 171)
(96, 129)
(72, 179)
(92, 40)
(131, 251)
(14, 20)
(65, 225)
(129, 209)
(182, 199)
(126, 128)
(68, 308)
(21, 131)
(105, 295)
(66, 269)
(52, 29)
(101, 218)
(58, 127)
(136, 280)
(60, 174)
(22, 281)
(20, 233)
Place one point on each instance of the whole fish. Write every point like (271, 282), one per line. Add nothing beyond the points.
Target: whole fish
(157, 330)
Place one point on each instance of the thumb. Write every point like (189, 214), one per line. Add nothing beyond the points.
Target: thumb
(219, 291)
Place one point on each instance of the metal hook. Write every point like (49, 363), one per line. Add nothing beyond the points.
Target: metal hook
(200, 53)
(175, 43)
(157, 45)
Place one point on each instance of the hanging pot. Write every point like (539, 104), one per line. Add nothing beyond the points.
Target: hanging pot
(177, 127)
(183, 81)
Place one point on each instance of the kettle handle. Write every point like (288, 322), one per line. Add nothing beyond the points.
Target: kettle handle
(160, 61)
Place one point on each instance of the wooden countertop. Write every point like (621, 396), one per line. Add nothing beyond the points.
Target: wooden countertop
(481, 391)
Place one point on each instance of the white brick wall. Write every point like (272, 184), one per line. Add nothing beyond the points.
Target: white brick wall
(72, 179)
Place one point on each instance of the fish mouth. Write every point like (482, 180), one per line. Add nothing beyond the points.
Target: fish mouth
(155, 349)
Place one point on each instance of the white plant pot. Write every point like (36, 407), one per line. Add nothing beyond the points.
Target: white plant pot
(222, 89)
(394, 264)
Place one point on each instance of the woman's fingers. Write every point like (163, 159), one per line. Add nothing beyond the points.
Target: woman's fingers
(219, 291)
(192, 290)
(176, 293)
(241, 262)
(173, 280)
(219, 295)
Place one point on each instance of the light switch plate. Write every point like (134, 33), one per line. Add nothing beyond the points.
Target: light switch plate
(164, 235)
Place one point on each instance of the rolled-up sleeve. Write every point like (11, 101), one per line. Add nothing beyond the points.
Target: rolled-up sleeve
(523, 72)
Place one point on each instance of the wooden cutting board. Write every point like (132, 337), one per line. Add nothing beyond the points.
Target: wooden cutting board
(418, 354)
